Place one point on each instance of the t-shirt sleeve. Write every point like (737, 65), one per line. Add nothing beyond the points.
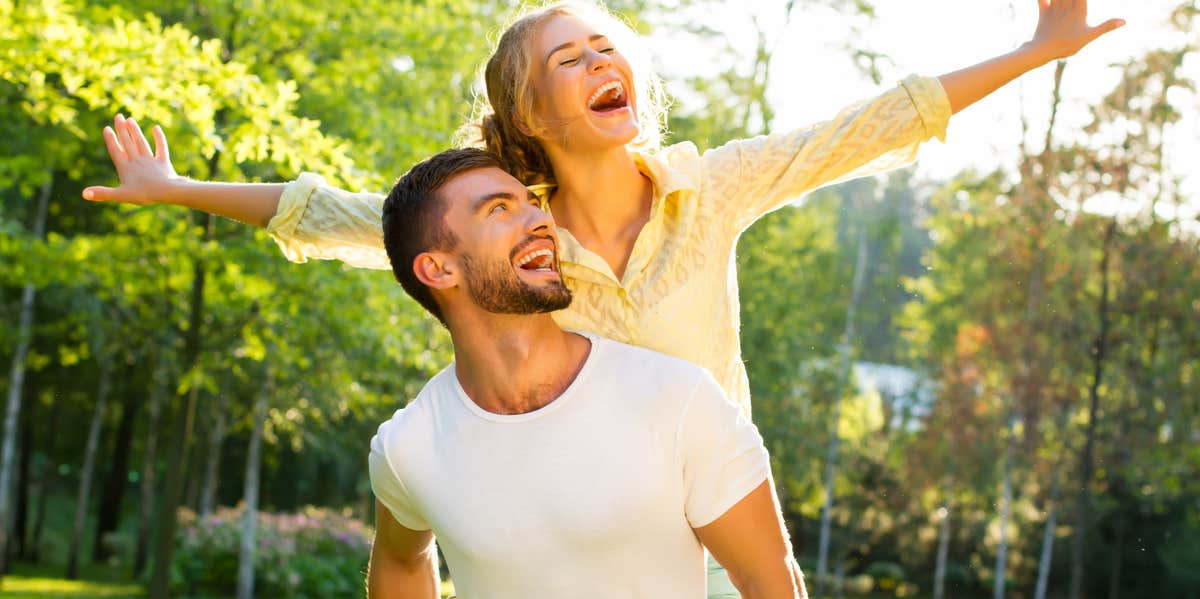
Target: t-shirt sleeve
(722, 453)
(315, 220)
(751, 177)
(387, 484)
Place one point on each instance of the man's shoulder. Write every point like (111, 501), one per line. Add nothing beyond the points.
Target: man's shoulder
(422, 410)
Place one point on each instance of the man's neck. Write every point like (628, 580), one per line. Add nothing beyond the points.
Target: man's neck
(515, 364)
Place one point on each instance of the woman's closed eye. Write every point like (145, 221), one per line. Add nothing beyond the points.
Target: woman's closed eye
(566, 62)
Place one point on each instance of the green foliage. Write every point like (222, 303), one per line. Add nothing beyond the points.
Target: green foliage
(311, 554)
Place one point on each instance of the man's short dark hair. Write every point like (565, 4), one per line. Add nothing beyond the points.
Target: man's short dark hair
(413, 216)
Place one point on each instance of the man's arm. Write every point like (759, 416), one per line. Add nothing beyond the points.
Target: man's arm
(750, 541)
(1062, 31)
(403, 562)
(147, 177)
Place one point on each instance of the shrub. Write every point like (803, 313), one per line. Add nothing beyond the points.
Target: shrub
(307, 555)
(887, 575)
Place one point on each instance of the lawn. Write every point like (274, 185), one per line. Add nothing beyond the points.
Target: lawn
(33, 587)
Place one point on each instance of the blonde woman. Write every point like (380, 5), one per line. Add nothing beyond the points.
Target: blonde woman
(647, 233)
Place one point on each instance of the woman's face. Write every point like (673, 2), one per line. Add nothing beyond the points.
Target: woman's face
(584, 87)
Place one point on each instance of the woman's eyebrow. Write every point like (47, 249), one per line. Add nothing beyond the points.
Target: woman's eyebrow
(591, 38)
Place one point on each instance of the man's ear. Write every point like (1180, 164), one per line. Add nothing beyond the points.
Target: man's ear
(436, 270)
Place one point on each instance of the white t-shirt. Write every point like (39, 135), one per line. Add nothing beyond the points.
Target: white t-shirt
(594, 495)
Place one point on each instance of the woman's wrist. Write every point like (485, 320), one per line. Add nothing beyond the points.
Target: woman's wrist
(1033, 54)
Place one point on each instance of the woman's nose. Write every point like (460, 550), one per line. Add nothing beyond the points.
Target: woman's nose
(599, 61)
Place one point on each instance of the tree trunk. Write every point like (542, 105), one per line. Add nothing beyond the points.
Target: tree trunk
(39, 521)
(16, 381)
(46, 482)
(89, 464)
(943, 550)
(1043, 577)
(21, 522)
(191, 494)
(860, 266)
(181, 441)
(1114, 569)
(245, 582)
(118, 477)
(158, 392)
(1005, 510)
(216, 434)
(1099, 349)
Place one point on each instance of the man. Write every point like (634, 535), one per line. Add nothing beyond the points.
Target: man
(551, 463)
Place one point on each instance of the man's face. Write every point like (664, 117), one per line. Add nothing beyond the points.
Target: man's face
(507, 250)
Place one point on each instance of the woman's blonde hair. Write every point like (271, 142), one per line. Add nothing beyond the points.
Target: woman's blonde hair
(504, 122)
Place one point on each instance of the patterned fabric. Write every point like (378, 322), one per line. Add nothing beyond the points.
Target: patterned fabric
(679, 291)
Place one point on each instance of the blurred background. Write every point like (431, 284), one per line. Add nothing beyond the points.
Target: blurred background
(977, 377)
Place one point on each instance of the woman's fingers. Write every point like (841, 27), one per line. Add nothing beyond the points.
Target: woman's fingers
(160, 144)
(97, 193)
(115, 151)
(138, 144)
(139, 138)
(1104, 28)
(123, 135)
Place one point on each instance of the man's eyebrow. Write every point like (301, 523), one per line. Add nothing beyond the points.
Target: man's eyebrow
(591, 38)
(491, 197)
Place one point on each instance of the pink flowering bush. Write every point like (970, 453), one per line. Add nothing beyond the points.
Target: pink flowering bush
(307, 555)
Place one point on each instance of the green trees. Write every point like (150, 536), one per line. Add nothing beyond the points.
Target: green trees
(191, 304)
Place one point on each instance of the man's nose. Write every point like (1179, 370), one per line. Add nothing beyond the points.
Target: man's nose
(537, 220)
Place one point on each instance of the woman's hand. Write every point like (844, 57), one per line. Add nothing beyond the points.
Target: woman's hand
(145, 175)
(1062, 28)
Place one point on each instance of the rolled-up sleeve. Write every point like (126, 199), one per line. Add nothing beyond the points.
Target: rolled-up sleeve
(315, 220)
(751, 177)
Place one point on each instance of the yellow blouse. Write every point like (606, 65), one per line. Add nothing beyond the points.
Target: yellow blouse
(679, 292)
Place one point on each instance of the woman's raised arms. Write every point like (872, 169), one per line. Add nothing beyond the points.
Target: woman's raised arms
(147, 177)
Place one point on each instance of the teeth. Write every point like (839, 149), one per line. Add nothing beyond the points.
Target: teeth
(611, 85)
(527, 258)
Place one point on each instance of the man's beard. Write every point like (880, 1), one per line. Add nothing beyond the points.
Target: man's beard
(496, 288)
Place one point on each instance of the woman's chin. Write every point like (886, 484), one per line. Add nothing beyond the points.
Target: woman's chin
(615, 130)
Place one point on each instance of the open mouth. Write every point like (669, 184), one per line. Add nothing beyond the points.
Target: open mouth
(538, 260)
(609, 97)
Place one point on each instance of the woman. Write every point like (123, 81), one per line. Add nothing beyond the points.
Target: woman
(647, 235)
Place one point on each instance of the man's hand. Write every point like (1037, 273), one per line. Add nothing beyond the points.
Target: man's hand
(1062, 28)
(145, 175)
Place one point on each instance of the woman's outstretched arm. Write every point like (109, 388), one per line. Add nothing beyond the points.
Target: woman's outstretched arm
(1062, 30)
(147, 177)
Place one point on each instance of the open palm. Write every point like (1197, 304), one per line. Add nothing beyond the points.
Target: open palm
(143, 172)
(1062, 28)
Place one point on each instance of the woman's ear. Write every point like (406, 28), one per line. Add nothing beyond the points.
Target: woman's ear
(435, 270)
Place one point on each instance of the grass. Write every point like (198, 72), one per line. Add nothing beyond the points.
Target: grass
(45, 581)
(35, 587)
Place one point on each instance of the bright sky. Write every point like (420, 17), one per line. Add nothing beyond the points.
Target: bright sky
(812, 77)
